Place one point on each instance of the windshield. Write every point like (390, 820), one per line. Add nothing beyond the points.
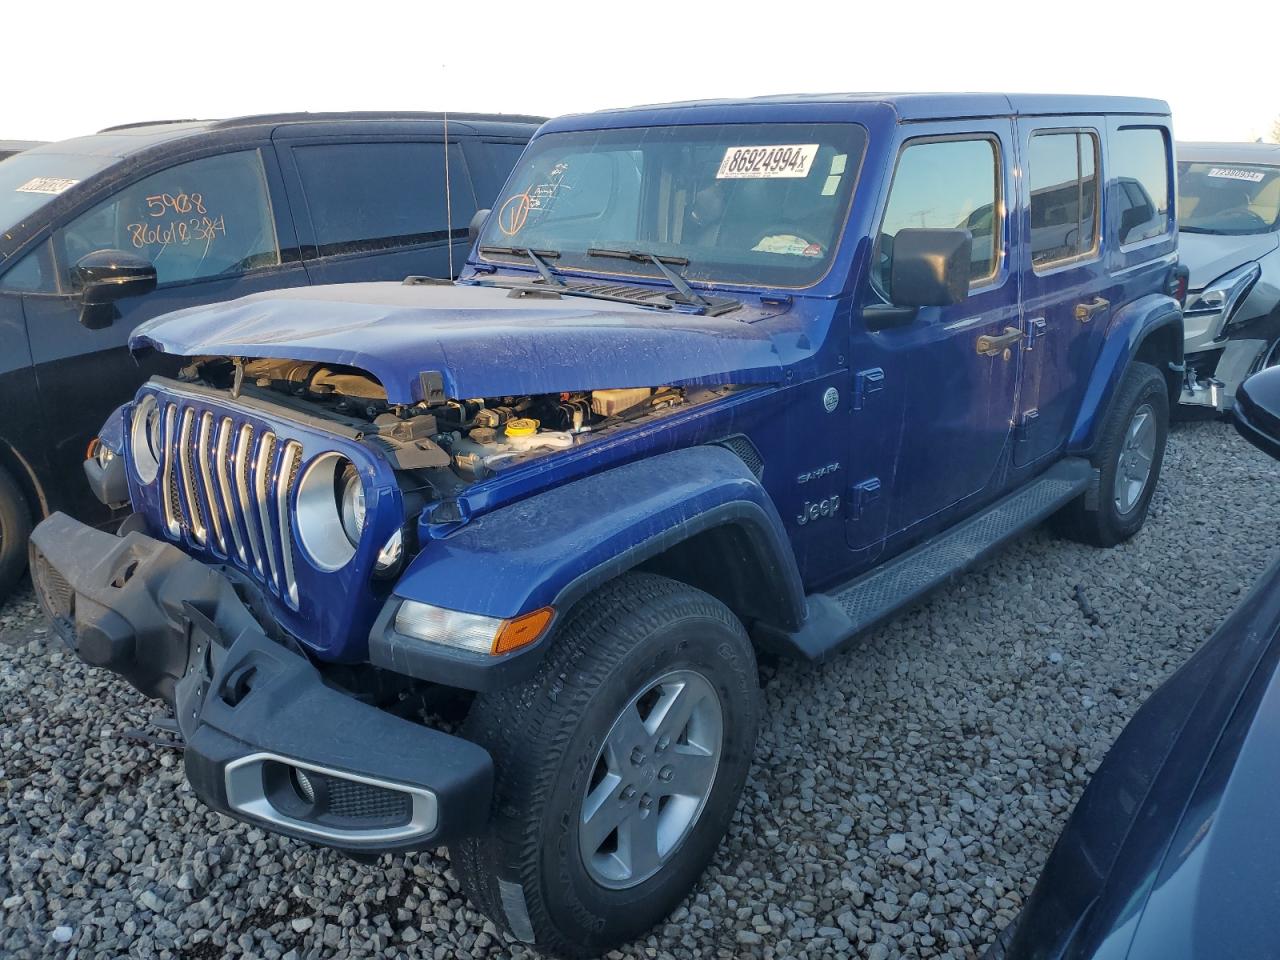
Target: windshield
(30, 180)
(1228, 198)
(759, 204)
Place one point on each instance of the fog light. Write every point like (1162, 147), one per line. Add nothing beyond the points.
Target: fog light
(471, 631)
(302, 783)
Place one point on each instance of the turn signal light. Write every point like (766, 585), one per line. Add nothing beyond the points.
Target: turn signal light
(522, 631)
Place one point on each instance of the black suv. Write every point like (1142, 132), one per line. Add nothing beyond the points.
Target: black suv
(102, 232)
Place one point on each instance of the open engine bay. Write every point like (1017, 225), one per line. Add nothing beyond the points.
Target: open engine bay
(471, 438)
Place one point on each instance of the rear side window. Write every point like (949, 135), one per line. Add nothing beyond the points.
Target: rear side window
(379, 196)
(206, 218)
(1140, 182)
(946, 184)
(1062, 173)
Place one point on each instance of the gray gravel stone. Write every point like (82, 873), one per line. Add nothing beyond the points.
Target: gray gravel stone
(903, 801)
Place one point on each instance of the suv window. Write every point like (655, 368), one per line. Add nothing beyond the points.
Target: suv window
(754, 203)
(1140, 163)
(1062, 173)
(206, 218)
(946, 184)
(380, 196)
(1228, 198)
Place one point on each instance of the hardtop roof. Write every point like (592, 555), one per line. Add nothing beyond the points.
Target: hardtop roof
(907, 106)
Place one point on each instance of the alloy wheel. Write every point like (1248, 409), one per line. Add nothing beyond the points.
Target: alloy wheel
(651, 779)
(1137, 453)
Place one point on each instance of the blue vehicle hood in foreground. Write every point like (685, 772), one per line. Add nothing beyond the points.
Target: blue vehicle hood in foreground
(1172, 851)
(485, 341)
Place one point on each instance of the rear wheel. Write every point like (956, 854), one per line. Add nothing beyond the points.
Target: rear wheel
(618, 767)
(1128, 457)
(15, 527)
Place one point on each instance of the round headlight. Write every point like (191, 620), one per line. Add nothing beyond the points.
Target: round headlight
(144, 438)
(331, 510)
(352, 505)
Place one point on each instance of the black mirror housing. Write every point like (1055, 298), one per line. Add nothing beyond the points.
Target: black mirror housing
(476, 225)
(930, 268)
(1257, 411)
(105, 276)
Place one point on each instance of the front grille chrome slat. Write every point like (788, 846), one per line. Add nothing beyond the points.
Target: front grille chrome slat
(226, 488)
(244, 447)
(222, 456)
(204, 447)
(186, 470)
(262, 469)
(169, 485)
(290, 461)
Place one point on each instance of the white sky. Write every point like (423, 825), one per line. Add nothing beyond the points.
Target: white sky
(82, 68)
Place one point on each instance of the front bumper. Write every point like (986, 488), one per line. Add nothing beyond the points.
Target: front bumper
(267, 741)
(1211, 382)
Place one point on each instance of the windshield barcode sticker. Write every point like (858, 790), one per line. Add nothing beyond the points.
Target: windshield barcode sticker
(750, 163)
(1236, 173)
(53, 185)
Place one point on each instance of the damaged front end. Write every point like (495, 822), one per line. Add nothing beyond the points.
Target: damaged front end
(266, 738)
(275, 503)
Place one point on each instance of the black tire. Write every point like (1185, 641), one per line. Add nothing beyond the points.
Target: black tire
(999, 947)
(526, 872)
(15, 528)
(1096, 517)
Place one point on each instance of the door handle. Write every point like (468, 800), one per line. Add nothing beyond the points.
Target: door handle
(990, 346)
(1085, 311)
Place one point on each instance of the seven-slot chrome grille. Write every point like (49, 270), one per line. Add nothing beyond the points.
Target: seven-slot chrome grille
(225, 484)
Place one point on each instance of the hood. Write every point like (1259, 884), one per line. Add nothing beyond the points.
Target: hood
(483, 340)
(1219, 885)
(1208, 256)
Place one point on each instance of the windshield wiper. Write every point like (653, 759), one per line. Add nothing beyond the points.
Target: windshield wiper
(535, 257)
(660, 261)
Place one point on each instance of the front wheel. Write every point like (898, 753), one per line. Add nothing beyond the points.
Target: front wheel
(1128, 457)
(618, 767)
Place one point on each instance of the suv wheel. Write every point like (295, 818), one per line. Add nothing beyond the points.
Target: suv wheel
(15, 527)
(1128, 458)
(618, 767)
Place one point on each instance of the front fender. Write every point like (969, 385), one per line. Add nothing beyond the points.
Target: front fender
(1137, 331)
(556, 546)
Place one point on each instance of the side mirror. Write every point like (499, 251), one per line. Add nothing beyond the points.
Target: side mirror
(476, 225)
(930, 268)
(105, 276)
(927, 268)
(1257, 411)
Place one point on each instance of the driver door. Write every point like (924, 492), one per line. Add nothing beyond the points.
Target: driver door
(209, 228)
(954, 400)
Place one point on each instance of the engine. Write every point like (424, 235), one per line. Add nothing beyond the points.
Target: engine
(474, 438)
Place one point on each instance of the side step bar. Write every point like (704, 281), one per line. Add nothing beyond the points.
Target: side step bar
(847, 611)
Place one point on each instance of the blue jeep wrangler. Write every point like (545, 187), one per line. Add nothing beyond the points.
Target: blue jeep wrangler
(489, 563)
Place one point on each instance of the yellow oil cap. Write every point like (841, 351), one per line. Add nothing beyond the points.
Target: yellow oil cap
(524, 427)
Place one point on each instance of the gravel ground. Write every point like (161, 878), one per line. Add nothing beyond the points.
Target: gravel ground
(903, 800)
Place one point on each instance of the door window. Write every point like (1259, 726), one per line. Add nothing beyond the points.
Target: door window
(379, 196)
(206, 218)
(946, 184)
(32, 274)
(1140, 161)
(1062, 173)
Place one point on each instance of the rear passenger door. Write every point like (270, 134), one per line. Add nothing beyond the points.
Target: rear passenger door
(1067, 292)
(378, 209)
